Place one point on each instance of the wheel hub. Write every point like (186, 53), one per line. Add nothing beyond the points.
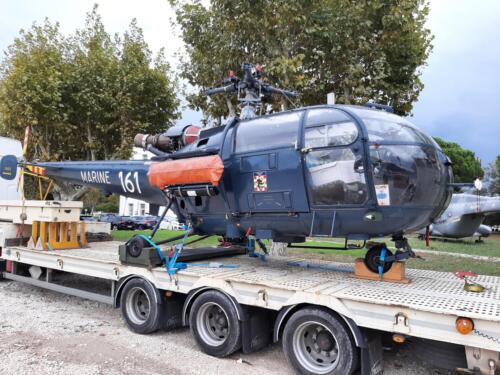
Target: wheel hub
(138, 306)
(316, 347)
(213, 324)
(325, 341)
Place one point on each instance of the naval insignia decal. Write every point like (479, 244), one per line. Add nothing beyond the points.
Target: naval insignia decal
(259, 181)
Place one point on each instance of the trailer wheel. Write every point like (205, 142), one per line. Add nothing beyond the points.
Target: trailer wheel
(214, 323)
(140, 308)
(318, 342)
(372, 259)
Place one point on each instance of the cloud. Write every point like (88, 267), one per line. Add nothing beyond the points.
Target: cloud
(462, 80)
(461, 95)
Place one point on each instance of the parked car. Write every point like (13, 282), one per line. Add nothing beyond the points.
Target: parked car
(117, 221)
(87, 218)
(170, 224)
(144, 222)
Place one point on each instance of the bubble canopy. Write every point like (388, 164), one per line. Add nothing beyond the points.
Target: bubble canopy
(355, 155)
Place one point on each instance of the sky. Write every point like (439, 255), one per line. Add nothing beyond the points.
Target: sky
(461, 98)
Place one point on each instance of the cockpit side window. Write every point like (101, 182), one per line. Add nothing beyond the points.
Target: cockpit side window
(336, 134)
(268, 132)
(334, 168)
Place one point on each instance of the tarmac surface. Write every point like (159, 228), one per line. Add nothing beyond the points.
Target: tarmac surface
(44, 332)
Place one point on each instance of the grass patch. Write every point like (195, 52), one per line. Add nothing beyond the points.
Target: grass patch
(162, 234)
(489, 247)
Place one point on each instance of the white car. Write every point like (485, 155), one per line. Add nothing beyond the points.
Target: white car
(170, 224)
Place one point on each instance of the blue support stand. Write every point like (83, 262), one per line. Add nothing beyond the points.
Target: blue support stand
(383, 253)
(251, 248)
(171, 264)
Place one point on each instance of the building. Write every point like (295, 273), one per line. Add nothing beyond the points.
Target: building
(131, 206)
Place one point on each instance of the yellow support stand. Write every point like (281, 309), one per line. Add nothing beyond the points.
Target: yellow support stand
(57, 235)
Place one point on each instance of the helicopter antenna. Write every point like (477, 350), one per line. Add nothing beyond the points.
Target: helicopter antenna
(249, 89)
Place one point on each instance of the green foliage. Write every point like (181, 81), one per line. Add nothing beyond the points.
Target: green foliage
(84, 96)
(366, 50)
(466, 167)
(108, 206)
(95, 201)
(494, 176)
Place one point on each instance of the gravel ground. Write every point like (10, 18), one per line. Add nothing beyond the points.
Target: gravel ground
(43, 332)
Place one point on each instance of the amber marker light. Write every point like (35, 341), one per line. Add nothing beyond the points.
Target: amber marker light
(464, 325)
(400, 339)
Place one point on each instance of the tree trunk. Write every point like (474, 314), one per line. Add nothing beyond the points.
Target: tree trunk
(67, 192)
(91, 142)
(347, 95)
(232, 112)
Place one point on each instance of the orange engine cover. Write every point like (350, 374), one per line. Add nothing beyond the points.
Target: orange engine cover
(199, 170)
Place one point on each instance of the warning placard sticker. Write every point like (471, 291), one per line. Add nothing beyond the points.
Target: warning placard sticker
(383, 196)
(259, 182)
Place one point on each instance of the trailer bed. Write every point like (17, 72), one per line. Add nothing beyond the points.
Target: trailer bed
(427, 307)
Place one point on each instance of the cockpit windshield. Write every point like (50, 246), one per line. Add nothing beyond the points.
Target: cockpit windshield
(404, 161)
(386, 127)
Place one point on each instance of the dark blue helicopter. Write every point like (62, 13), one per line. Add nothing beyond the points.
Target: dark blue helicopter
(356, 172)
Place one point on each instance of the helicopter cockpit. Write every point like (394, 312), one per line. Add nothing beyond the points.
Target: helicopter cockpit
(337, 160)
(409, 168)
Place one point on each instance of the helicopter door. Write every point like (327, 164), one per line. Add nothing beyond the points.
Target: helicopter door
(335, 172)
(267, 171)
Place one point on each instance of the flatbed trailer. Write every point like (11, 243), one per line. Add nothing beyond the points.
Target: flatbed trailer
(329, 321)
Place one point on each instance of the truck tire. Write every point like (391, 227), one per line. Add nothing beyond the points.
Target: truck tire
(140, 306)
(316, 341)
(214, 323)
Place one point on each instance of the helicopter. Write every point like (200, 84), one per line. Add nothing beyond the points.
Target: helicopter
(356, 172)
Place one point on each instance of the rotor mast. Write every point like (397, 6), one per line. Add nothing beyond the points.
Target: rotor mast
(250, 90)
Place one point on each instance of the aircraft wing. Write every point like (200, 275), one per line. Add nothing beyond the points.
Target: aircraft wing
(482, 206)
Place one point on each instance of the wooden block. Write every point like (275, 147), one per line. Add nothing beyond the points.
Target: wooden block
(42, 239)
(83, 238)
(397, 273)
(34, 230)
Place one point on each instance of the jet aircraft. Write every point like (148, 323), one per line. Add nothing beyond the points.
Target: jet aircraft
(464, 217)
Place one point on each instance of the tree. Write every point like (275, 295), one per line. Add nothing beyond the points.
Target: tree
(367, 50)
(84, 96)
(466, 167)
(94, 201)
(77, 89)
(31, 87)
(493, 173)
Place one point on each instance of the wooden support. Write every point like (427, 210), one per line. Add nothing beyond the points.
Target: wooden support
(397, 273)
(83, 237)
(57, 235)
(42, 239)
